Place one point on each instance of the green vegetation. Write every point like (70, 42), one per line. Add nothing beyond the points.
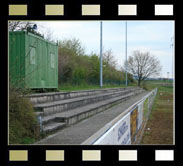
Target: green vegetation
(23, 126)
(69, 87)
(150, 85)
(76, 68)
(159, 128)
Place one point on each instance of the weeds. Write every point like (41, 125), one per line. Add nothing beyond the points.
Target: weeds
(23, 126)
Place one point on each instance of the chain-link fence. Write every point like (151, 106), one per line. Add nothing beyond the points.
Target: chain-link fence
(92, 81)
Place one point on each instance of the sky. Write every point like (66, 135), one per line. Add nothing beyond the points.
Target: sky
(154, 37)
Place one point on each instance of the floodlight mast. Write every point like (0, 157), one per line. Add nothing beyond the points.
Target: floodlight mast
(126, 54)
(172, 45)
(101, 78)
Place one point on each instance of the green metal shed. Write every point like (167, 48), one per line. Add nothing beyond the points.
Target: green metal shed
(33, 61)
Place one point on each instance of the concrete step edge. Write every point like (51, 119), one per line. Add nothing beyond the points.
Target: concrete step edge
(66, 107)
(62, 102)
(42, 98)
(108, 105)
(53, 126)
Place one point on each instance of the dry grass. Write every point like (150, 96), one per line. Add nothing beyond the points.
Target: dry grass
(159, 128)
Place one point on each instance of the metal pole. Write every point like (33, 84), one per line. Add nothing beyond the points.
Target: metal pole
(172, 60)
(126, 55)
(167, 75)
(101, 79)
(172, 54)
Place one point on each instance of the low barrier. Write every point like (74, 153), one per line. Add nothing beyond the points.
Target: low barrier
(124, 129)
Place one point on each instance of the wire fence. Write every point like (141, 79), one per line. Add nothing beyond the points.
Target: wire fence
(91, 81)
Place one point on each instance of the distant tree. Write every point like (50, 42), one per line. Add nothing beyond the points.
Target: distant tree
(74, 45)
(69, 53)
(109, 58)
(77, 67)
(109, 66)
(94, 68)
(143, 65)
(48, 34)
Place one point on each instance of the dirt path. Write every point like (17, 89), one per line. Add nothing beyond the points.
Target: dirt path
(159, 128)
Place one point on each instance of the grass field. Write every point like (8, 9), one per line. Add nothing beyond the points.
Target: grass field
(159, 128)
(69, 87)
(149, 85)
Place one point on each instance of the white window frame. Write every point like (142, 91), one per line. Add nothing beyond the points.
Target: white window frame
(52, 60)
(32, 55)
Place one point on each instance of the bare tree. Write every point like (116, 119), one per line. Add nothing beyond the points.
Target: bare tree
(19, 25)
(48, 34)
(143, 65)
(109, 59)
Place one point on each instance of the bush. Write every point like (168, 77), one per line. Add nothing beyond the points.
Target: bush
(76, 67)
(23, 126)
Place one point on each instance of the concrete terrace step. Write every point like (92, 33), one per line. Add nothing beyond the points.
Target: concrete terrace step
(78, 133)
(63, 105)
(53, 126)
(75, 115)
(55, 96)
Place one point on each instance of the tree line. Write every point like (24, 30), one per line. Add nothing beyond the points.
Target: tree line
(76, 67)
